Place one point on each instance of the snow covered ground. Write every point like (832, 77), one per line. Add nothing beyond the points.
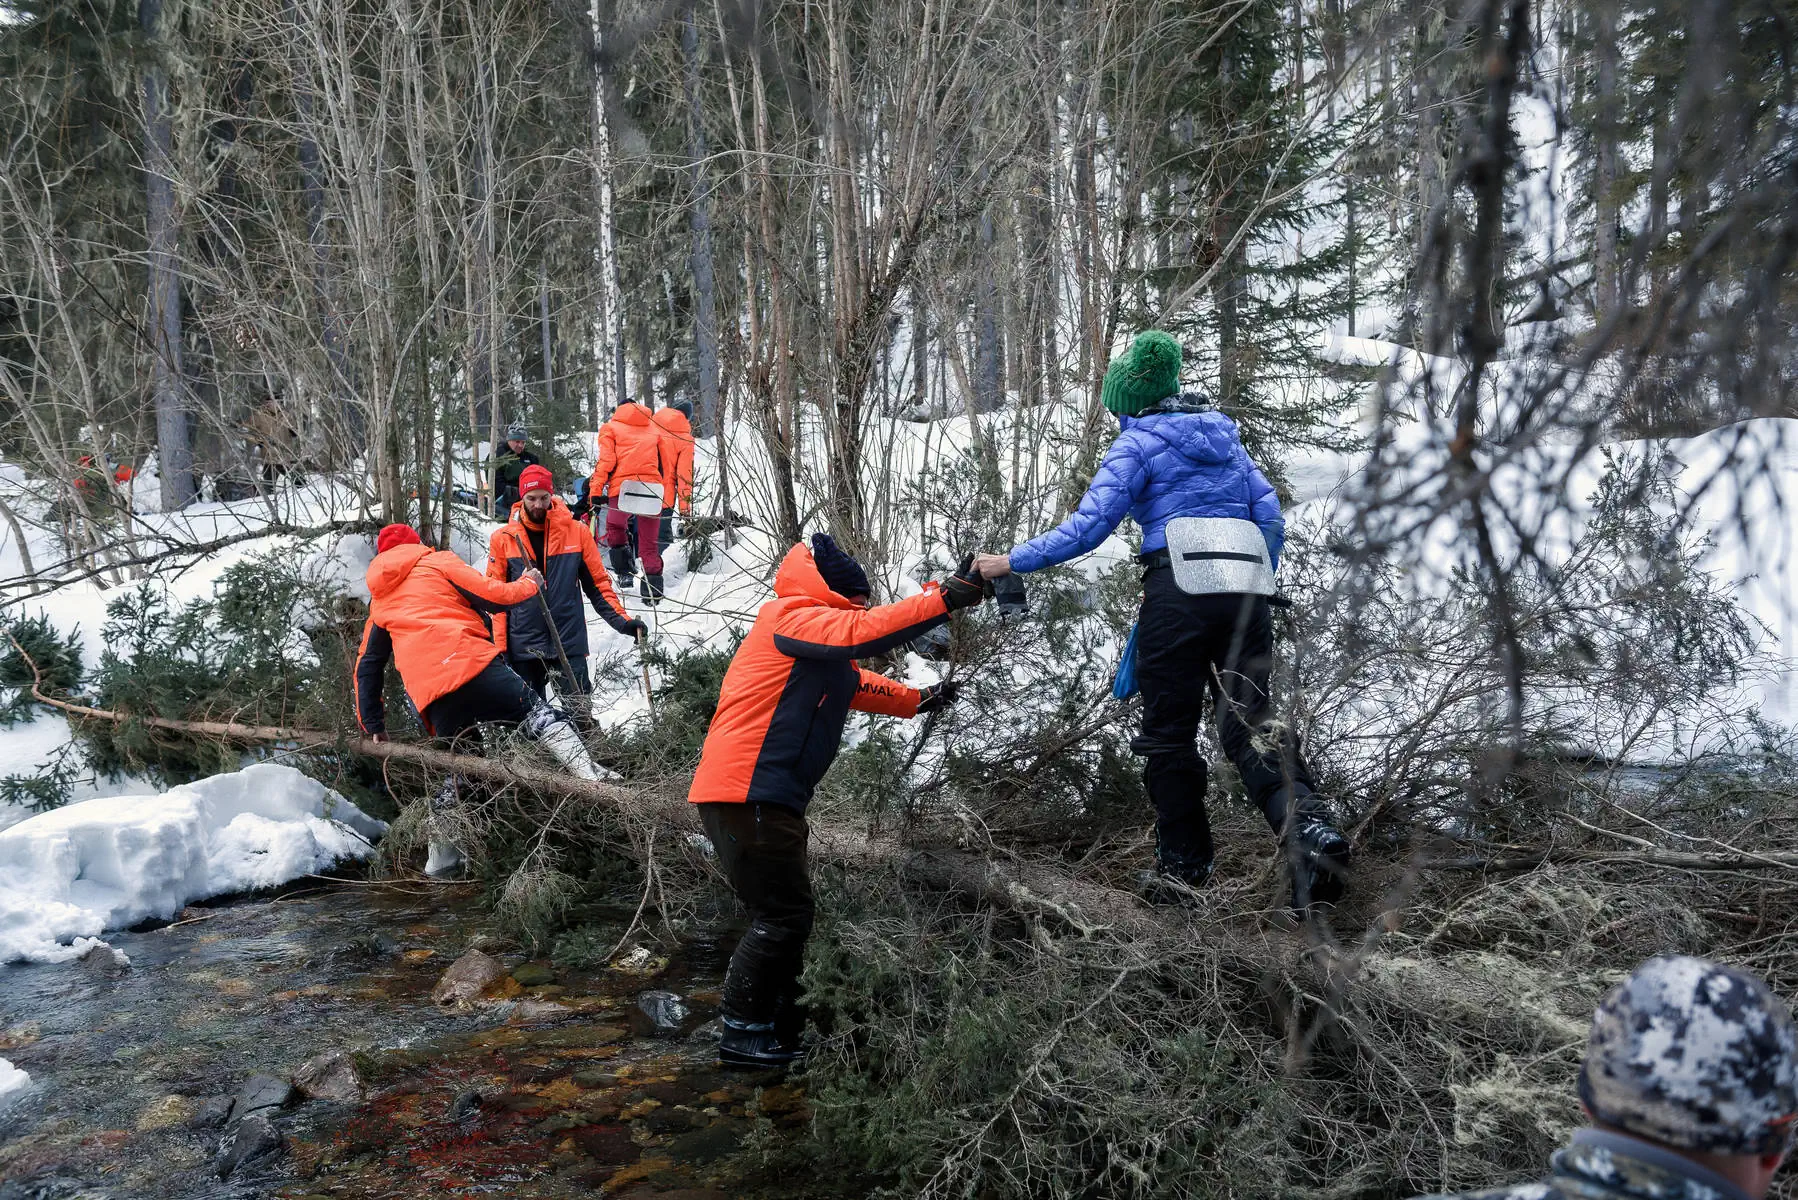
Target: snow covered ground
(69, 875)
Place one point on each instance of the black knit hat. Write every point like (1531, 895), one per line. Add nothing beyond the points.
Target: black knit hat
(842, 574)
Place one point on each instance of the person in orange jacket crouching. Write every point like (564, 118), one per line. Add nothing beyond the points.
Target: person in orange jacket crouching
(425, 615)
(779, 724)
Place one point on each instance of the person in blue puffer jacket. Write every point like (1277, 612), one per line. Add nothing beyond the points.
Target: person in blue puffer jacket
(1178, 457)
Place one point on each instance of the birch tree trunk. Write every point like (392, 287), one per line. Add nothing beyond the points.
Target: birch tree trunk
(608, 342)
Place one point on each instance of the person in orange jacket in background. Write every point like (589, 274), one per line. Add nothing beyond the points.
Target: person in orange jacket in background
(544, 536)
(778, 726)
(631, 478)
(426, 615)
(676, 421)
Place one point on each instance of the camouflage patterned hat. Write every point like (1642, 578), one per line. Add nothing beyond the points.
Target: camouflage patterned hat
(1694, 1055)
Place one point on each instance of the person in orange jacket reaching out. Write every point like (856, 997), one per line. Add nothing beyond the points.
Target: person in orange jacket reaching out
(426, 615)
(543, 535)
(632, 479)
(779, 724)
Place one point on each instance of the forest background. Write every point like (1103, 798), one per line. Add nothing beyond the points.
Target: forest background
(1520, 271)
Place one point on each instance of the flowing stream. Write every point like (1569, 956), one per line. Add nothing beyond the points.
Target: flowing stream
(559, 1083)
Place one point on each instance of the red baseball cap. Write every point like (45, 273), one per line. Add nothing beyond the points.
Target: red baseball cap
(535, 478)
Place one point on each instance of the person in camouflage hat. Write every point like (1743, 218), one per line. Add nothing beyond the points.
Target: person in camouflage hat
(1691, 1083)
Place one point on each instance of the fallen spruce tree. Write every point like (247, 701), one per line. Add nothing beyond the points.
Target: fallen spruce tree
(1010, 1017)
(997, 1013)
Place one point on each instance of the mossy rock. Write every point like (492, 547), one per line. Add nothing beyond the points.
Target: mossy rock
(533, 975)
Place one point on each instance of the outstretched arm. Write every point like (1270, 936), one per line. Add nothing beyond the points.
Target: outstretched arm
(488, 595)
(859, 632)
(878, 694)
(1114, 489)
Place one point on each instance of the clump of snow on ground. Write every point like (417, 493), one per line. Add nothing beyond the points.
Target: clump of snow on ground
(69, 875)
(12, 1081)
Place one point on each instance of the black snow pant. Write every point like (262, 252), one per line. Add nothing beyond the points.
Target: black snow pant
(1221, 646)
(761, 848)
(573, 694)
(496, 694)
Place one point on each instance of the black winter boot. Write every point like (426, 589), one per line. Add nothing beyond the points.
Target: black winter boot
(1174, 882)
(1176, 782)
(624, 566)
(756, 1044)
(652, 588)
(1319, 856)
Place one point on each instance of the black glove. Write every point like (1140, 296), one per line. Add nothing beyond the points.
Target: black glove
(939, 695)
(631, 627)
(965, 588)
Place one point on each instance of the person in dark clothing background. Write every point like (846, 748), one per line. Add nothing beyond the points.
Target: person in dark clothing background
(509, 462)
(1212, 534)
(544, 535)
(426, 615)
(778, 727)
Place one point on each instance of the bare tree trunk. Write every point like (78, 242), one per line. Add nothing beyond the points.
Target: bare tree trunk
(549, 360)
(920, 350)
(1231, 287)
(312, 198)
(637, 332)
(1604, 168)
(18, 536)
(608, 346)
(705, 291)
(174, 446)
(988, 351)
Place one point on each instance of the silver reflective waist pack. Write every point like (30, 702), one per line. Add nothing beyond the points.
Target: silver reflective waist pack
(1219, 554)
(640, 498)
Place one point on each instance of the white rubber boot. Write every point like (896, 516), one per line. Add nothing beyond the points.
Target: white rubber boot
(559, 737)
(444, 860)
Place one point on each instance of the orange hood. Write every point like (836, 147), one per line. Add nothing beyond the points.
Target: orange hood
(633, 414)
(798, 576)
(674, 421)
(390, 569)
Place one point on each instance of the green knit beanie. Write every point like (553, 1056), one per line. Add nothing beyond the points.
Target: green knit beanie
(1142, 376)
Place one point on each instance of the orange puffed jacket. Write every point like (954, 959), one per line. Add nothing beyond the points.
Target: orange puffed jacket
(424, 616)
(788, 692)
(563, 549)
(677, 452)
(630, 447)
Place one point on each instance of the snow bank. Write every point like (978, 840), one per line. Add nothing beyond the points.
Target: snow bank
(69, 875)
(12, 1081)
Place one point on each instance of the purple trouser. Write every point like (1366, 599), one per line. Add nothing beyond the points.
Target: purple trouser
(618, 534)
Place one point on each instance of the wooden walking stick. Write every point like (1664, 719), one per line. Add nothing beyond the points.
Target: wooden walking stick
(549, 618)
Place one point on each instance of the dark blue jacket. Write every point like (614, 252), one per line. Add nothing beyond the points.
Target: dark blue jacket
(1163, 465)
